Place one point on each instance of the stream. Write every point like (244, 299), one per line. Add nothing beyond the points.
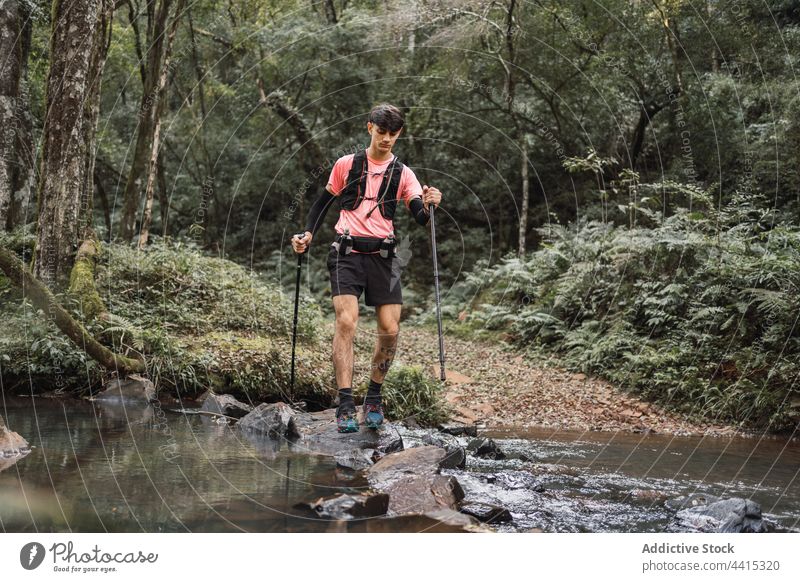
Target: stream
(108, 468)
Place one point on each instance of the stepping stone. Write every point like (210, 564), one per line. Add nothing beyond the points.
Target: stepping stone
(412, 480)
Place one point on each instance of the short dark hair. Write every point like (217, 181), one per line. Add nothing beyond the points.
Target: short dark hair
(387, 117)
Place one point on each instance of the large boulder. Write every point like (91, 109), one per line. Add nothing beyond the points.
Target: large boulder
(133, 388)
(456, 457)
(356, 459)
(734, 515)
(486, 512)
(413, 481)
(318, 434)
(225, 404)
(276, 420)
(12, 446)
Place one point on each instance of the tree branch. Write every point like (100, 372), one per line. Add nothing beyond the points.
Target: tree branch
(42, 298)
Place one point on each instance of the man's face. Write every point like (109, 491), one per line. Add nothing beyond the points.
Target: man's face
(382, 139)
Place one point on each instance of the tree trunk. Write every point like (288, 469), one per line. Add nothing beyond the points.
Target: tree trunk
(43, 299)
(209, 189)
(77, 47)
(523, 219)
(330, 12)
(310, 152)
(91, 113)
(163, 197)
(23, 209)
(15, 35)
(101, 193)
(149, 114)
(158, 107)
(647, 111)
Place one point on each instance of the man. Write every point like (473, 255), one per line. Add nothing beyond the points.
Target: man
(368, 184)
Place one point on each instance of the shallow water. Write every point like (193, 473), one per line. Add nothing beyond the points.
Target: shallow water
(130, 469)
(619, 481)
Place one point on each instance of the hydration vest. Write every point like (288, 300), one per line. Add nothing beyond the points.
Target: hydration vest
(355, 189)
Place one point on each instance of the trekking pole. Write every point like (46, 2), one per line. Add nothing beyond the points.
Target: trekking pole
(296, 305)
(436, 294)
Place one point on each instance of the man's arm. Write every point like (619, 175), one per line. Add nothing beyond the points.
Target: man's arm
(418, 211)
(318, 210)
(314, 220)
(419, 207)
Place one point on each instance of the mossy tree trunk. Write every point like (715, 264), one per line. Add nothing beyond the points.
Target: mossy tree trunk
(78, 48)
(81, 280)
(41, 297)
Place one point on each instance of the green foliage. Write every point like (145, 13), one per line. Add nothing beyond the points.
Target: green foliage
(198, 321)
(697, 313)
(172, 284)
(409, 391)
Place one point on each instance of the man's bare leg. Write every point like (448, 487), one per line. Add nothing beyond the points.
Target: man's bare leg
(388, 317)
(346, 308)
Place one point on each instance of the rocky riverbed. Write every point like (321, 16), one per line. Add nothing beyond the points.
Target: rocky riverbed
(127, 462)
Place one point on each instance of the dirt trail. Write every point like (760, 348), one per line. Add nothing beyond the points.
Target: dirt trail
(491, 383)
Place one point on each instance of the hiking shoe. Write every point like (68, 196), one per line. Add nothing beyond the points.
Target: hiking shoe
(373, 415)
(346, 420)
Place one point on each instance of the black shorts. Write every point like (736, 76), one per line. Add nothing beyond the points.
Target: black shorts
(378, 277)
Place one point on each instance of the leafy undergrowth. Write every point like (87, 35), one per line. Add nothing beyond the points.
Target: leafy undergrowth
(200, 322)
(408, 391)
(698, 311)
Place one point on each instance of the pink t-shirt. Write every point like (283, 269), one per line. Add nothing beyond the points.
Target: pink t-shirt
(356, 220)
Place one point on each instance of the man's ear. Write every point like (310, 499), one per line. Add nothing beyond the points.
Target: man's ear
(369, 127)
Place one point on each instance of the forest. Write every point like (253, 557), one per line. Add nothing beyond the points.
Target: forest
(620, 188)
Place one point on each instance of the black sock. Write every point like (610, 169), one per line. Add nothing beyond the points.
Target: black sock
(346, 401)
(373, 393)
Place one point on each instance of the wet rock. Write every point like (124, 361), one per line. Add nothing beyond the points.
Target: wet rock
(437, 521)
(11, 443)
(735, 515)
(459, 429)
(412, 480)
(130, 389)
(318, 434)
(455, 518)
(275, 420)
(456, 457)
(356, 459)
(486, 512)
(225, 404)
(486, 448)
(518, 480)
(349, 506)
